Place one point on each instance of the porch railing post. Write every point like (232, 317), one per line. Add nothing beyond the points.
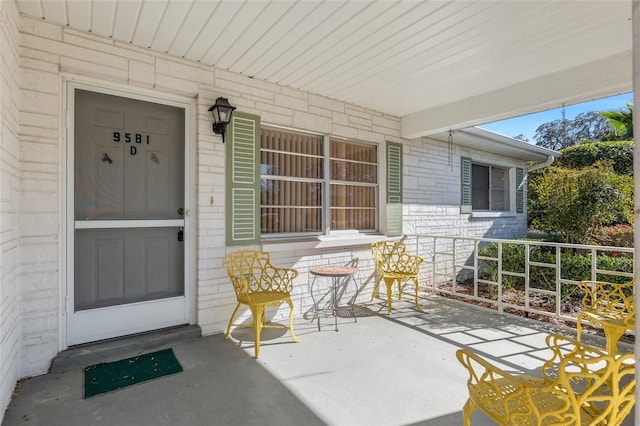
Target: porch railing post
(527, 271)
(433, 263)
(476, 246)
(558, 278)
(594, 265)
(500, 303)
(453, 264)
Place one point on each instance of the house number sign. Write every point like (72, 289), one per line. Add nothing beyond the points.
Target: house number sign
(129, 138)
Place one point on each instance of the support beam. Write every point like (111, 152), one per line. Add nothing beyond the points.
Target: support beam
(605, 77)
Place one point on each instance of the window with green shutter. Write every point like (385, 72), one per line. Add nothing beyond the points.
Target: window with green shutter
(394, 189)
(282, 182)
(242, 179)
(487, 188)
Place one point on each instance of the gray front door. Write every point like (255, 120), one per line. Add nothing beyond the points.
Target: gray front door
(128, 272)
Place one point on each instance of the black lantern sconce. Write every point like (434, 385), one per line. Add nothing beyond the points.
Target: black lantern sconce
(221, 112)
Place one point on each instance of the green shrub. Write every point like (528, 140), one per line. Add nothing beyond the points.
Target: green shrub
(574, 203)
(615, 263)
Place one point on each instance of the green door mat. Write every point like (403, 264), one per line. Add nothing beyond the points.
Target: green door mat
(110, 376)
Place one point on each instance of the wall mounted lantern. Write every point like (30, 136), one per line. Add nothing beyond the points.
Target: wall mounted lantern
(221, 112)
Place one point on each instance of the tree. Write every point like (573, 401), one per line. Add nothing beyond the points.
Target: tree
(620, 123)
(562, 133)
(575, 202)
(620, 153)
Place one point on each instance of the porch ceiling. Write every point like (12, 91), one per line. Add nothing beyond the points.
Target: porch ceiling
(436, 64)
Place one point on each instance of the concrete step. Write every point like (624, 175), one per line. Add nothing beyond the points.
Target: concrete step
(81, 356)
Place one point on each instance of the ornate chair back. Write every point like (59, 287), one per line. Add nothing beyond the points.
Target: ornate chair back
(394, 264)
(610, 306)
(251, 272)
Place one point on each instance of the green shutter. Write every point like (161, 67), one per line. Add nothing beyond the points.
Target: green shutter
(243, 180)
(394, 189)
(519, 190)
(465, 185)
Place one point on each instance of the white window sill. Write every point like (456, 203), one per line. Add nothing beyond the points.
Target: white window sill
(322, 242)
(491, 215)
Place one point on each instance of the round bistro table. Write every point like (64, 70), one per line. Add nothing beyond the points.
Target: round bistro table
(335, 273)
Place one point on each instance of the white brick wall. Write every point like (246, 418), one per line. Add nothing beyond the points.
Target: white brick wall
(10, 327)
(432, 193)
(49, 54)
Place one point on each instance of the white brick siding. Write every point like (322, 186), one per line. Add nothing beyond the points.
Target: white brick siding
(32, 176)
(10, 325)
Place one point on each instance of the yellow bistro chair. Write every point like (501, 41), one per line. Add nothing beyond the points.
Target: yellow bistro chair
(394, 264)
(258, 283)
(611, 306)
(579, 385)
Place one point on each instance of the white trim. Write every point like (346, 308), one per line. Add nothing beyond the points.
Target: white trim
(322, 242)
(495, 214)
(123, 90)
(69, 84)
(500, 139)
(124, 323)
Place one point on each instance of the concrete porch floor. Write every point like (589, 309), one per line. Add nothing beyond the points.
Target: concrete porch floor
(380, 370)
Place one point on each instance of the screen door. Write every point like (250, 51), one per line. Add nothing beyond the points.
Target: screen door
(128, 272)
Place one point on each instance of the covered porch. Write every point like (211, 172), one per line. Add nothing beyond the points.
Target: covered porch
(380, 370)
(388, 75)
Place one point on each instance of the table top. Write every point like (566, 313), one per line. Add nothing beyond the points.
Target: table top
(333, 271)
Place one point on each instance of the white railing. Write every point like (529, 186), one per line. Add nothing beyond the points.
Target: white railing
(456, 266)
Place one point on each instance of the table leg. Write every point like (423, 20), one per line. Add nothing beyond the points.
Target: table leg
(315, 304)
(336, 280)
(355, 297)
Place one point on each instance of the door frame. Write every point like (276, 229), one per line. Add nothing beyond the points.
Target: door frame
(67, 189)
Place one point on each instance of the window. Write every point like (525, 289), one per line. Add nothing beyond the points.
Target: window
(488, 188)
(288, 183)
(354, 185)
(293, 181)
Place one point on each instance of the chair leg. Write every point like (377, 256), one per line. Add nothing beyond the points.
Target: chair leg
(375, 288)
(389, 283)
(295, 339)
(417, 304)
(233, 315)
(579, 327)
(469, 407)
(258, 314)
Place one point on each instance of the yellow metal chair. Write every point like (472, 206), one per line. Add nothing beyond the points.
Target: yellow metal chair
(394, 264)
(258, 284)
(580, 385)
(611, 306)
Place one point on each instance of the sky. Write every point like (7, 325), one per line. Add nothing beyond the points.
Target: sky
(527, 124)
